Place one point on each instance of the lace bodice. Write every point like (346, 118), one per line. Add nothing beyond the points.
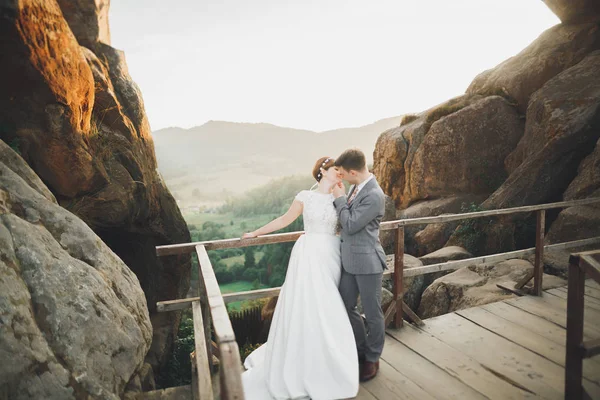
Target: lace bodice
(319, 213)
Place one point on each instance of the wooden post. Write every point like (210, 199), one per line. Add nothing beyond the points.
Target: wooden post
(575, 298)
(399, 275)
(231, 372)
(203, 377)
(538, 268)
(206, 318)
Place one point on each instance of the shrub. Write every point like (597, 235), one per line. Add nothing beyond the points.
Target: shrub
(408, 118)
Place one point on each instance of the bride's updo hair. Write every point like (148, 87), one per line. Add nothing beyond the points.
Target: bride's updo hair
(323, 162)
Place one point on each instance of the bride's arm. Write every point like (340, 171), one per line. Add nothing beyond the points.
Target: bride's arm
(279, 223)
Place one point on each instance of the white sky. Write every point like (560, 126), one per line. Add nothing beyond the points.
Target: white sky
(313, 64)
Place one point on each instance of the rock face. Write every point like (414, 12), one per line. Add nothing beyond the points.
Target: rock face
(544, 102)
(476, 285)
(580, 222)
(557, 49)
(78, 120)
(88, 20)
(570, 11)
(74, 321)
(473, 134)
(414, 285)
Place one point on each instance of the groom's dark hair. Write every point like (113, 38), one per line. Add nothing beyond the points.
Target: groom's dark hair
(352, 159)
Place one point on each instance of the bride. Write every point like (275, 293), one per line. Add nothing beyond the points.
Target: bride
(311, 350)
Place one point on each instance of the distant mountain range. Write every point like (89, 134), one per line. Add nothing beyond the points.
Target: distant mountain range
(205, 164)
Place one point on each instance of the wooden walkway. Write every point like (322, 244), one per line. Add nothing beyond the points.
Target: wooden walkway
(513, 349)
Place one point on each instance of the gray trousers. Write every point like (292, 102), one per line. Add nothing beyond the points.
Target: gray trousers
(369, 287)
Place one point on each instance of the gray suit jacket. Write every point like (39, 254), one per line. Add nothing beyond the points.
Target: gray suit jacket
(361, 250)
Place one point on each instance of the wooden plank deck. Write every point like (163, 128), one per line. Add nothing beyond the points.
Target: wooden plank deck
(514, 349)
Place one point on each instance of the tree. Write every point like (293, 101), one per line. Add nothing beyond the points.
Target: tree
(250, 275)
(249, 261)
(276, 279)
(237, 270)
(224, 276)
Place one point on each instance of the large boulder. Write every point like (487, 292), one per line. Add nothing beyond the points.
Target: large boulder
(47, 96)
(422, 239)
(88, 20)
(464, 152)
(573, 11)
(450, 253)
(472, 134)
(413, 286)
(575, 223)
(563, 124)
(580, 222)
(476, 285)
(74, 321)
(557, 49)
(78, 119)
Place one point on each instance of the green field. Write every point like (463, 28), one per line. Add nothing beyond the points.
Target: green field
(240, 259)
(239, 286)
(232, 231)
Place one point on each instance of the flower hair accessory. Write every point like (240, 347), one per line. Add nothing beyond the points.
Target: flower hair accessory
(320, 175)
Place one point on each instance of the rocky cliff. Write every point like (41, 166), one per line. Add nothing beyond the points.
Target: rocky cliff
(523, 133)
(70, 109)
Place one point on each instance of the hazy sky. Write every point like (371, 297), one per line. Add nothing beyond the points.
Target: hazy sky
(313, 64)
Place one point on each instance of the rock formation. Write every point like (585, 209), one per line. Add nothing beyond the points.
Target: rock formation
(476, 285)
(73, 317)
(71, 110)
(522, 134)
(525, 132)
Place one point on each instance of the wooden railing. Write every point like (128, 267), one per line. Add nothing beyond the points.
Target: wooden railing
(211, 303)
(580, 265)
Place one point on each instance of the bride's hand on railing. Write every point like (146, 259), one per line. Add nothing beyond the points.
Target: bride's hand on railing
(249, 235)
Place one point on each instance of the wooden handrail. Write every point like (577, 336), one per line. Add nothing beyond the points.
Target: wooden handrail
(180, 304)
(591, 266)
(489, 213)
(182, 248)
(229, 356)
(580, 264)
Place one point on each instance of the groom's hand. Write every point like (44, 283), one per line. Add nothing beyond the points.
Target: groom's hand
(338, 190)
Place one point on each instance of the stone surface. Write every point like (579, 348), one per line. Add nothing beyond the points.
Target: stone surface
(416, 241)
(88, 20)
(580, 222)
(473, 134)
(570, 11)
(414, 285)
(464, 152)
(476, 285)
(554, 51)
(47, 96)
(78, 119)
(433, 237)
(450, 253)
(73, 318)
(563, 124)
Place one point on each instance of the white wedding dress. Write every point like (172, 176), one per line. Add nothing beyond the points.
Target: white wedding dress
(310, 352)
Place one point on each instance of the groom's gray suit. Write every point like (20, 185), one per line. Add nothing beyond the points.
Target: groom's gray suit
(363, 262)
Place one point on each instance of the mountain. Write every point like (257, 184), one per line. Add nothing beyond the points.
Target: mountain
(206, 164)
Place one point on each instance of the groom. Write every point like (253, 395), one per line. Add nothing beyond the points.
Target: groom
(363, 259)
